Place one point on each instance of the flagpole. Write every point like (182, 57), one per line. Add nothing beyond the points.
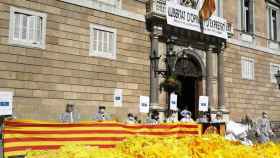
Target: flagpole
(196, 4)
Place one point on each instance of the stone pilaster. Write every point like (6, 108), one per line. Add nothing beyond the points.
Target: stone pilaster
(221, 78)
(209, 75)
(154, 79)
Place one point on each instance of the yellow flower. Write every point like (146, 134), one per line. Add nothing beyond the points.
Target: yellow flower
(207, 146)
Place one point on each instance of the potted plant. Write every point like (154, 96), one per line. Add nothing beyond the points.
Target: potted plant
(171, 84)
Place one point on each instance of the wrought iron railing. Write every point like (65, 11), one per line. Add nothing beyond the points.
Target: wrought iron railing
(158, 8)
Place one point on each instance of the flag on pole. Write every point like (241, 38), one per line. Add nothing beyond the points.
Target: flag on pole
(208, 8)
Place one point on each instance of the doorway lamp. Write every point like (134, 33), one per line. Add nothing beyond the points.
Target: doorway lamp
(171, 56)
(170, 59)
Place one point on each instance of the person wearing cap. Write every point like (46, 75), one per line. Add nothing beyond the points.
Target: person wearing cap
(263, 129)
(186, 116)
(218, 118)
(172, 118)
(102, 115)
(203, 118)
(130, 119)
(70, 115)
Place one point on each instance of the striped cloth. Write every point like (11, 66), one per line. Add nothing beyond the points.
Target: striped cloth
(23, 135)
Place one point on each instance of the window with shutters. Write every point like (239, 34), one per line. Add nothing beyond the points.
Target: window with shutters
(102, 41)
(273, 26)
(27, 28)
(247, 68)
(273, 71)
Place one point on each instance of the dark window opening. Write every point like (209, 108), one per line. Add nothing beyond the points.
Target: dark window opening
(247, 15)
(274, 25)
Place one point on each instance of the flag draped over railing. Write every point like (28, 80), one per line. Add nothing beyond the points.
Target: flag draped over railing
(208, 8)
(21, 136)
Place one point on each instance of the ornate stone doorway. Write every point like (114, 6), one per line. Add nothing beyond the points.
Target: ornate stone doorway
(190, 71)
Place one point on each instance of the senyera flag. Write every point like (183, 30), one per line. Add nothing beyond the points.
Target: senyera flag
(21, 136)
(208, 8)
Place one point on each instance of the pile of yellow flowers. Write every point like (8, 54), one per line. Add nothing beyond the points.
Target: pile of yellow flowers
(207, 146)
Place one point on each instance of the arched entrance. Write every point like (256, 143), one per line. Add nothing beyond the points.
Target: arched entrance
(190, 71)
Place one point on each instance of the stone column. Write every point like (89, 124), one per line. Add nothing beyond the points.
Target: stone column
(209, 74)
(154, 56)
(221, 78)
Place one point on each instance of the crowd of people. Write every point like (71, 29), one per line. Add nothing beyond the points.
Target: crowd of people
(71, 115)
(262, 127)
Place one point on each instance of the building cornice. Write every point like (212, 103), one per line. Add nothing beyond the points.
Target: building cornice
(107, 8)
(257, 48)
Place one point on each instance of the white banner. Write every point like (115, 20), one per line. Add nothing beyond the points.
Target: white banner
(173, 102)
(144, 104)
(188, 18)
(203, 103)
(6, 103)
(118, 98)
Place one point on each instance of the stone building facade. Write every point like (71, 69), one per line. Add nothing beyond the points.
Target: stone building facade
(63, 62)
(252, 95)
(62, 65)
(239, 72)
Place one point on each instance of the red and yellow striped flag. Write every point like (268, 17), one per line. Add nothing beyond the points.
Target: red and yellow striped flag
(208, 8)
(21, 136)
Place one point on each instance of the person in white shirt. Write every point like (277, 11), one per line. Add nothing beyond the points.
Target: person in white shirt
(172, 118)
(102, 115)
(263, 129)
(218, 118)
(70, 116)
(186, 116)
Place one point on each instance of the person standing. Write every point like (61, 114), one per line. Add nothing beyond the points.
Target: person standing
(172, 118)
(186, 116)
(263, 129)
(130, 119)
(102, 115)
(70, 115)
(154, 118)
(218, 118)
(203, 118)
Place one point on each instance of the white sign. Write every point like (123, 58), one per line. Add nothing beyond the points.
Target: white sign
(118, 98)
(188, 18)
(144, 104)
(6, 103)
(173, 102)
(203, 103)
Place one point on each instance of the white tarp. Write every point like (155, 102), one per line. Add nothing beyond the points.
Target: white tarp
(236, 128)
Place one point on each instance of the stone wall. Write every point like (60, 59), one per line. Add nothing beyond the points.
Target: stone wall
(250, 97)
(45, 80)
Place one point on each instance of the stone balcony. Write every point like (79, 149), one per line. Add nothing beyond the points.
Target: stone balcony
(156, 9)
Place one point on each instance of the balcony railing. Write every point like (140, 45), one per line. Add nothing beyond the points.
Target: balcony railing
(157, 8)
